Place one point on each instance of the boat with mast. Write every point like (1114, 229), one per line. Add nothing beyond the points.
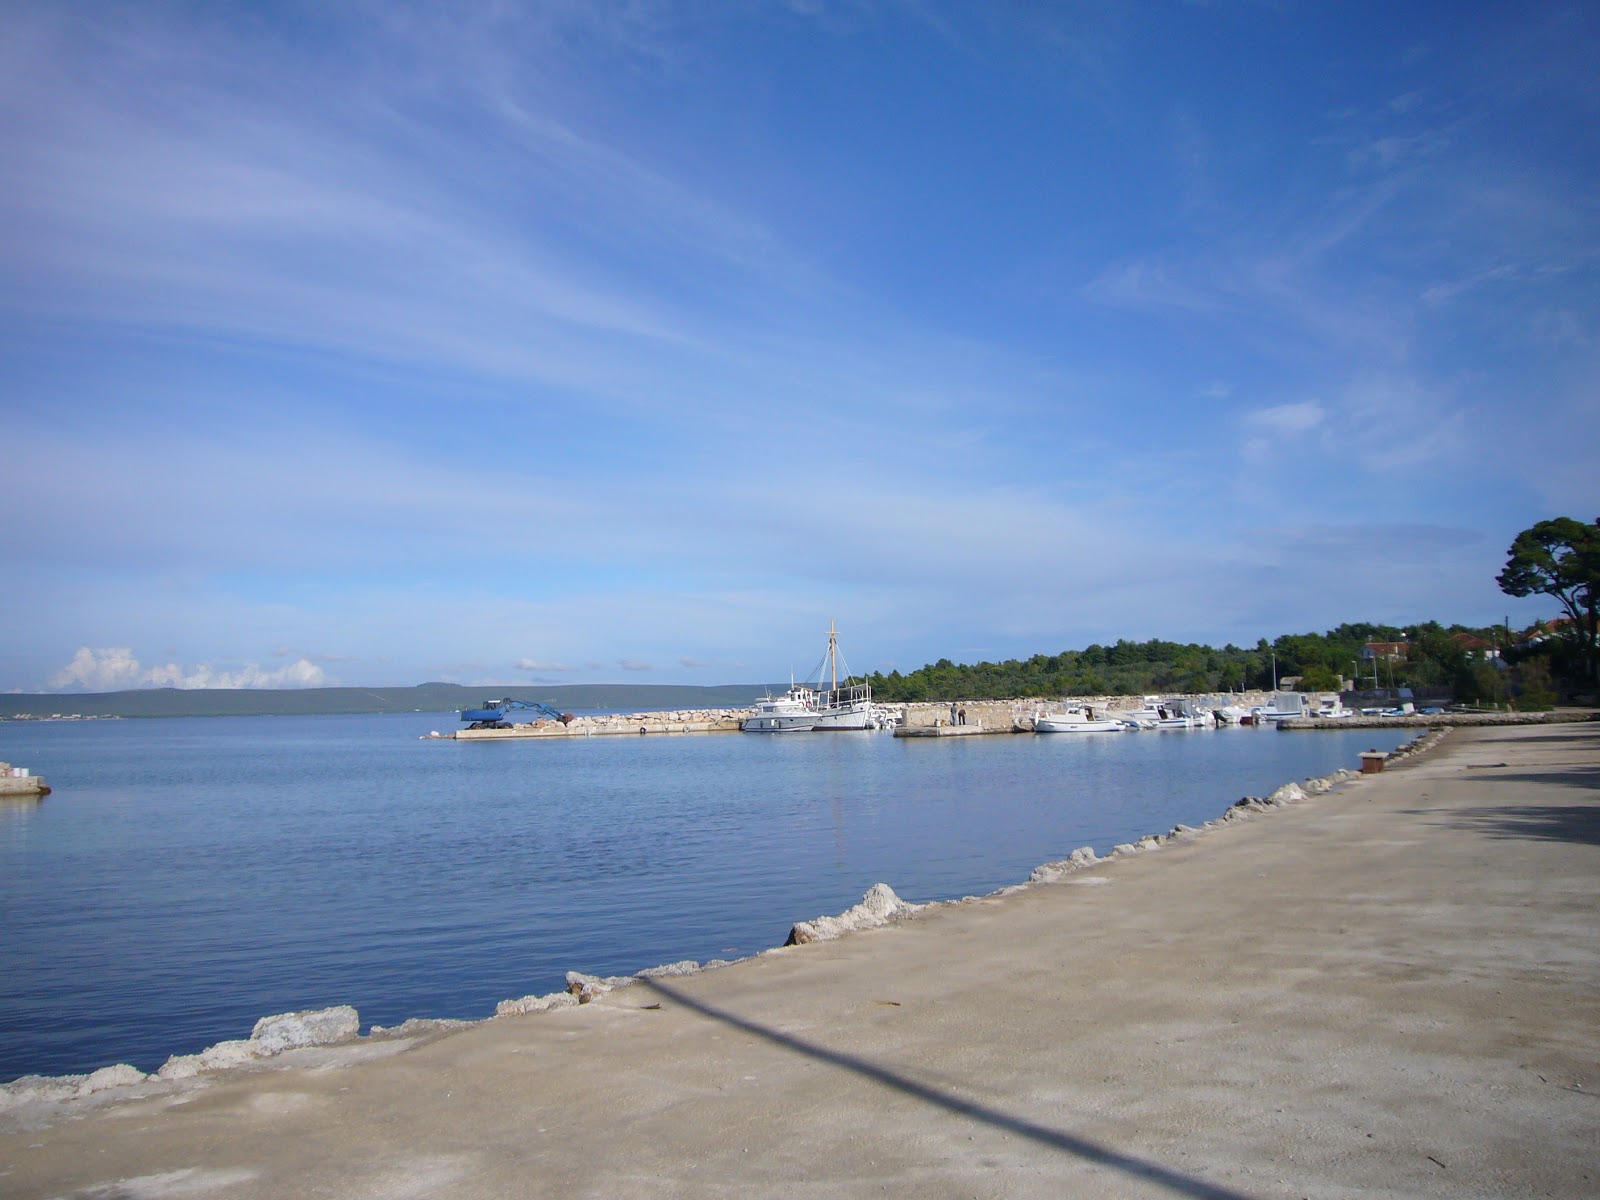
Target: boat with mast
(842, 703)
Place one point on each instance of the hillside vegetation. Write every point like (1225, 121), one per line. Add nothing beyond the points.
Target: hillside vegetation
(1432, 658)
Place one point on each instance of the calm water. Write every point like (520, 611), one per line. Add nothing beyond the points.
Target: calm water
(189, 876)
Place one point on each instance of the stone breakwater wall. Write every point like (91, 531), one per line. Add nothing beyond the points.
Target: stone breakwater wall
(335, 1031)
(695, 720)
(1008, 716)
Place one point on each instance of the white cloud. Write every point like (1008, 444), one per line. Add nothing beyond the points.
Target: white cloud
(1290, 420)
(1271, 428)
(529, 664)
(115, 668)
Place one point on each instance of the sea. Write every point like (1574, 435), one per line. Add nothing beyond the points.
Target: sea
(188, 876)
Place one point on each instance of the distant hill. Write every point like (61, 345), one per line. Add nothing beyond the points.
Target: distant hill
(427, 697)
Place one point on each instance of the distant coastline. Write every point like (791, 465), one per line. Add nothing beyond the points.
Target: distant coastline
(427, 697)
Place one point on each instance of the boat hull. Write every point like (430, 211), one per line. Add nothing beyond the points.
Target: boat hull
(795, 724)
(855, 715)
(1067, 725)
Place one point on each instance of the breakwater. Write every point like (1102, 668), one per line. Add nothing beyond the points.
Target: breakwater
(913, 719)
(698, 720)
(20, 782)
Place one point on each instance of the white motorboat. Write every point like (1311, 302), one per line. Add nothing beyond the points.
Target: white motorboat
(793, 712)
(1173, 712)
(1284, 706)
(1332, 708)
(1076, 719)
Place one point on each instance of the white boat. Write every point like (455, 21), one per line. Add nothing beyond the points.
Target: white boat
(1284, 706)
(1173, 712)
(793, 712)
(842, 705)
(1332, 708)
(829, 700)
(1076, 719)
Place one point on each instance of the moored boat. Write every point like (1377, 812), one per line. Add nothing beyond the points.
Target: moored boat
(1173, 712)
(1284, 706)
(842, 701)
(1075, 719)
(793, 712)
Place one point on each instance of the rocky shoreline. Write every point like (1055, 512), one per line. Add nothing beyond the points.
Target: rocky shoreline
(337, 1028)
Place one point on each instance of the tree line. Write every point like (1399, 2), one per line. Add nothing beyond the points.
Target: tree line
(1433, 657)
(1559, 558)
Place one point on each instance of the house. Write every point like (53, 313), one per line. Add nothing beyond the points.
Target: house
(1542, 631)
(1384, 652)
(1474, 646)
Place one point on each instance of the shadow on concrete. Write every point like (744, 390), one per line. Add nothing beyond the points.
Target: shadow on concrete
(1569, 733)
(1185, 1185)
(1583, 777)
(1541, 822)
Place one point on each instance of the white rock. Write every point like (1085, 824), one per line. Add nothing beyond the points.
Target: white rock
(312, 1027)
(415, 1026)
(532, 1004)
(221, 1057)
(121, 1075)
(33, 1089)
(878, 907)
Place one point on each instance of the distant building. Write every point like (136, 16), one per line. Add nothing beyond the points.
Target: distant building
(1543, 631)
(1384, 652)
(1474, 646)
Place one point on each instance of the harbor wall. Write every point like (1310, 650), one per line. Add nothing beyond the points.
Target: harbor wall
(1003, 716)
(981, 716)
(698, 720)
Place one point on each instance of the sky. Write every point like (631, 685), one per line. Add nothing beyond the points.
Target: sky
(589, 341)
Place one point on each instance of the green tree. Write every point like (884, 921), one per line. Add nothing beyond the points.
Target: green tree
(1561, 558)
(1534, 685)
(1318, 678)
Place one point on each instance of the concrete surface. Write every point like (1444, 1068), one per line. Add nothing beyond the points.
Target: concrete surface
(1390, 990)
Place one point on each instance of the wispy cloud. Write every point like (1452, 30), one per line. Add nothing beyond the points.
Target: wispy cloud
(347, 332)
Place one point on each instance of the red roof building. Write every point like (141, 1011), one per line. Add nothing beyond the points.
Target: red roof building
(1387, 651)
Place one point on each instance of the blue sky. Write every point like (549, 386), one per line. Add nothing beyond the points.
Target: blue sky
(585, 341)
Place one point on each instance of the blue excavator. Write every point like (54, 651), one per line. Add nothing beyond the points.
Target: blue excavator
(493, 714)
